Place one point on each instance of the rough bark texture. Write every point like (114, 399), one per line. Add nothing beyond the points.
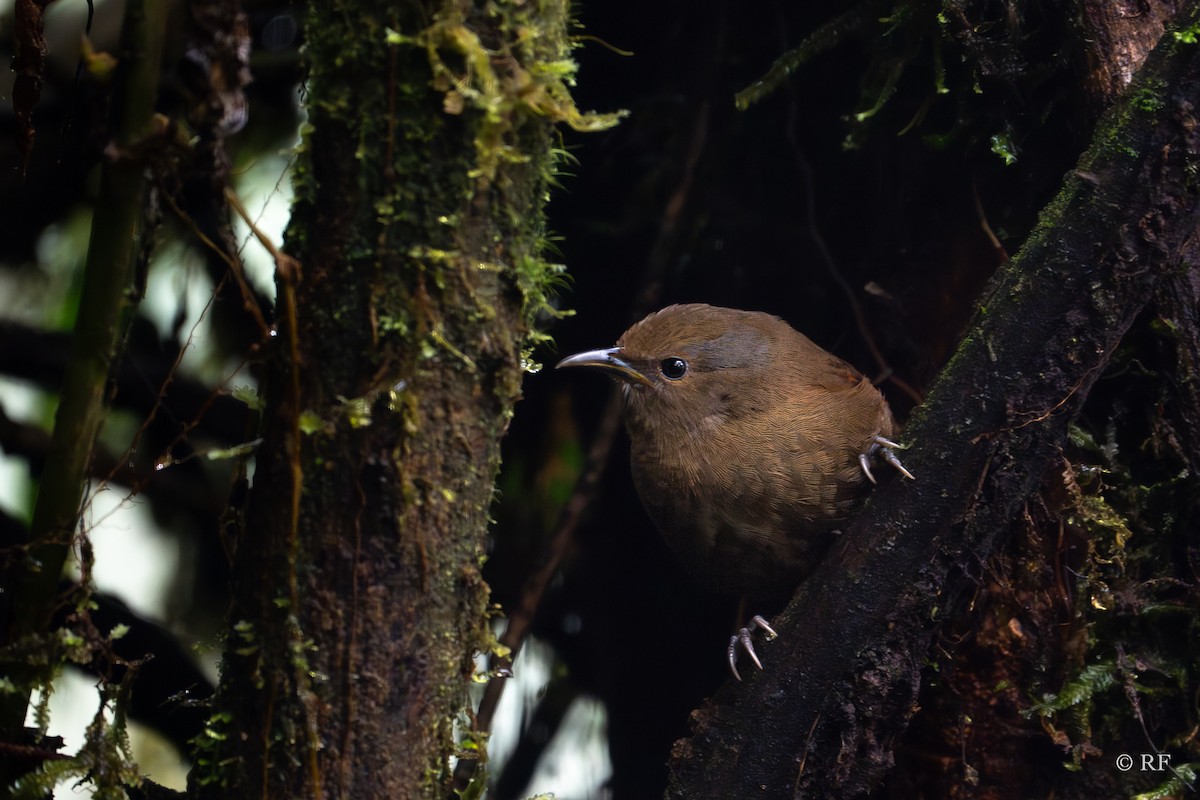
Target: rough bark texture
(402, 313)
(842, 681)
(1115, 38)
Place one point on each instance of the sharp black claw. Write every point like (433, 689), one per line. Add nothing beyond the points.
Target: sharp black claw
(890, 457)
(758, 621)
(732, 654)
(885, 449)
(748, 645)
(865, 462)
(744, 639)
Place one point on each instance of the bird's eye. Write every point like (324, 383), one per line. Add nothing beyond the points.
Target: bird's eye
(673, 368)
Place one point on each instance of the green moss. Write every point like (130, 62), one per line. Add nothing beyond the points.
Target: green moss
(1148, 98)
(1137, 656)
(206, 750)
(1003, 146)
(821, 40)
(1079, 690)
(1188, 35)
(1182, 781)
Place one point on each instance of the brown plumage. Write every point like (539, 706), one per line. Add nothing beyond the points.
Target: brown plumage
(749, 442)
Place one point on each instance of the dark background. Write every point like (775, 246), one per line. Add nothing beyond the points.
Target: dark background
(791, 207)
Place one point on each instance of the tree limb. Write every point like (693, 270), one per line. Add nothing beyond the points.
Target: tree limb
(841, 683)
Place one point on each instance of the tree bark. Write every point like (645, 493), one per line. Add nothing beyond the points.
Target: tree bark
(409, 290)
(841, 683)
(1115, 39)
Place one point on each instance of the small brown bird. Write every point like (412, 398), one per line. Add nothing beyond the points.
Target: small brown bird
(749, 444)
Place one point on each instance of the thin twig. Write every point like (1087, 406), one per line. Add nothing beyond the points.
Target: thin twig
(814, 232)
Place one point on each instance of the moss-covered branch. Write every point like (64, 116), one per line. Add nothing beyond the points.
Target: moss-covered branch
(842, 681)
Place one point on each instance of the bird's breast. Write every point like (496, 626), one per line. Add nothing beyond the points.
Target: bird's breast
(744, 516)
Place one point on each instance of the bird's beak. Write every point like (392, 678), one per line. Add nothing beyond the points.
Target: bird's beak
(611, 359)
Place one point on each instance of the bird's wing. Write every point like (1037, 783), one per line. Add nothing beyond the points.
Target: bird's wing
(838, 376)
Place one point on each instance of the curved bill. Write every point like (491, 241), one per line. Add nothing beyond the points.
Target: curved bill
(610, 359)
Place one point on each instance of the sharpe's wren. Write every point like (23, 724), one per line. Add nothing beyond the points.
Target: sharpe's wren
(749, 443)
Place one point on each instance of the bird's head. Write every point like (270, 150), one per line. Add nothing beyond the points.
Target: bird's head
(690, 361)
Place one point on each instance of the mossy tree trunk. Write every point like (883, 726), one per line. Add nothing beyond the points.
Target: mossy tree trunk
(407, 296)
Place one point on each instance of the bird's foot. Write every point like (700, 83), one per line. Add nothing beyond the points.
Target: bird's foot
(885, 449)
(744, 640)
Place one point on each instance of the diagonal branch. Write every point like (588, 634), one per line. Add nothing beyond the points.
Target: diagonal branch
(842, 681)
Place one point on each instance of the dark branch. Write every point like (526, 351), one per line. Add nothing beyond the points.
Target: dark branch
(842, 680)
